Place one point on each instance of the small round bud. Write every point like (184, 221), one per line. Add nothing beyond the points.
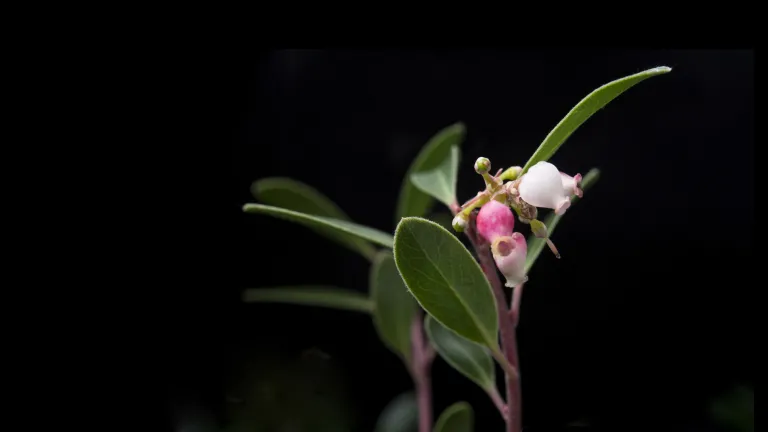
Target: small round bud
(493, 220)
(482, 165)
(459, 222)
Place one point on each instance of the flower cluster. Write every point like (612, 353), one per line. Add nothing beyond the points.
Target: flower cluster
(542, 186)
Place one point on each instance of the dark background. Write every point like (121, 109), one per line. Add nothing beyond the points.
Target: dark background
(643, 323)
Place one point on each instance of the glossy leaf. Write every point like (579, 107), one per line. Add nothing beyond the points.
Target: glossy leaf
(440, 182)
(323, 296)
(297, 196)
(458, 417)
(394, 306)
(339, 226)
(412, 201)
(584, 110)
(400, 415)
(535, 244)
(446, 280)
(470, 359)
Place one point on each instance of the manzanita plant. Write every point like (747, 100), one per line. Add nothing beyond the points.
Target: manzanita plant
(430, 294)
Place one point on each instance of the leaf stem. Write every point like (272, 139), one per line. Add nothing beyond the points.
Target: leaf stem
(499, 402)
(421, 363)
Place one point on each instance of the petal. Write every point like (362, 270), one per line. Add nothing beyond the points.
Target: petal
(495, 219)
(542, 186)
(510, 252)
(571, 184)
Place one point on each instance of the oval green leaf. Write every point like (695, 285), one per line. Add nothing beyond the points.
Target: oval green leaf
(440, 182)
(446, 280)
(584, 110)
(535, 244)
(394, 307)
(322, 296)
(315, 222)
(297, 196)
(400, 415)
(412, 201)
(458, 417)
(470, 359)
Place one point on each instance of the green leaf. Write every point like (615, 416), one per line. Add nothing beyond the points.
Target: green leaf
(394, 306)
(458, 417)
(339, 226)
(584, 110)
(440, 182)
(412, 201)
(446, 280)
(323, 296)
(470, 359)
(535, 244)
(400, 415)
(297, 196)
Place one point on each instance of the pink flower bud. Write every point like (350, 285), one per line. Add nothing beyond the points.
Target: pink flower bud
(495, 219)
(571, 184)
(510, 252)
(542, 186)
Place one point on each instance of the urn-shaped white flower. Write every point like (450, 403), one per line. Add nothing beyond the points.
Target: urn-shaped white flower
(543, 186)
(509, 252)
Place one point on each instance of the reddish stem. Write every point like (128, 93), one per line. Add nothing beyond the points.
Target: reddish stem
(506, 328)
(421, 362)
(517, 296)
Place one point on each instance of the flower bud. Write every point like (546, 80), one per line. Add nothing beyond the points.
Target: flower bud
(493, 220)
(510, 252)
(542, 186)
(482, 165)
(540, 230)
(571, 184)
(459, 222)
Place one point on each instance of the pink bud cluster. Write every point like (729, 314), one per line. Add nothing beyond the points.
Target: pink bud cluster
(495, 224)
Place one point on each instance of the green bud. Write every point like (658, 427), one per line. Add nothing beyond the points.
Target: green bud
(540, 230)
(459, 222)
(482, 165)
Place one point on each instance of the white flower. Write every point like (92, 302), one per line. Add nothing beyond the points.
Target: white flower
(543, 186)
(510, 252)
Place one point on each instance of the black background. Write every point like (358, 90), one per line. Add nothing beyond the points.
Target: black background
(646, 318)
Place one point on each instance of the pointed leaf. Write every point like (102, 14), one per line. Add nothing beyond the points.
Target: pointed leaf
(394, 306)
(458, 417)
(412, 201)
(535, 244)
(297, 196)
(584, 110)
(440, 182)
(446, 280)
(339, 226)
(400, 415)
(323, 296)
(470, 359)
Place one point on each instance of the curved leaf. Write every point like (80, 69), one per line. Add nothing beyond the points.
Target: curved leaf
(584, 110)
(458, 417)
(294, 195)
(340, 226)
(440, 182)
(535, 244)
(470, 359)
(446, 280)
(400, 415)
(412, 201)
(394, 306)
(323, 296)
